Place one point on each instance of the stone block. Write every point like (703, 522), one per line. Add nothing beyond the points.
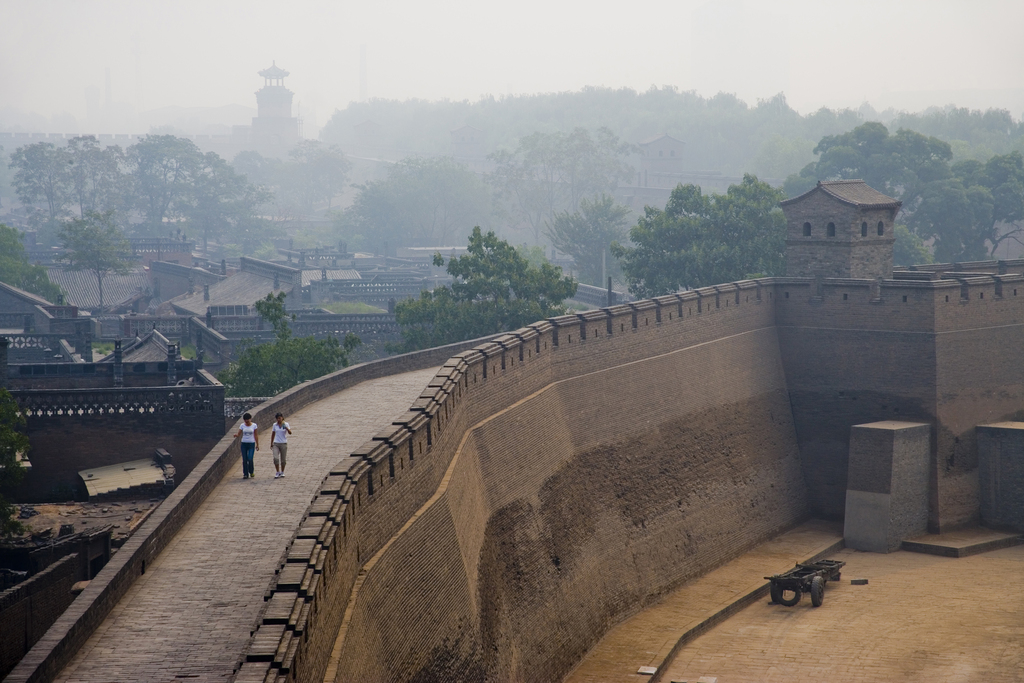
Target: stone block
(887, 484)
(1001, 474)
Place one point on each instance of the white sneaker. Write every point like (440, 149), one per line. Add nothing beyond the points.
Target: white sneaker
(282, 474)
(278, 475)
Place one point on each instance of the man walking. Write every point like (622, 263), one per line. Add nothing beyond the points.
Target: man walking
(250, 443)
(279, 443)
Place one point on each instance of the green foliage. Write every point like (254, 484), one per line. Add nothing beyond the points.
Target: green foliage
(551, 172)
(269, 369)
(909, 249)
(96, 180)
(700, 240)
(164, 171)
(495, 290)
(271, 308)
(15, 269)
(422, 201)
(587, 236)
(534, 254)
(965, 209)
(95, 243)
(12, 442)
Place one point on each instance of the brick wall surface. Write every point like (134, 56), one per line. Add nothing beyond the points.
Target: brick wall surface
(594, 494)
(28, 609)
(63, 445)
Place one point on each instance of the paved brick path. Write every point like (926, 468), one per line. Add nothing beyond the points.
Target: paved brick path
(189, 616)
(920, 619)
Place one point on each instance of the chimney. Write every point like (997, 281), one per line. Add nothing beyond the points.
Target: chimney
(172, 357)
(391, 306)
(4, 341)
(223, 266)
(277, 281)
(209, 318)
(206, 292)
(118, 367)
(323, 273)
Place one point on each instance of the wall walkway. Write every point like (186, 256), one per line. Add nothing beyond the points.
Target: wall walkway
(190, 615)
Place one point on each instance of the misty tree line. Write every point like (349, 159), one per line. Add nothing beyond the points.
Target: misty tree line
(547, 187)
(166, 185)
(723, 133)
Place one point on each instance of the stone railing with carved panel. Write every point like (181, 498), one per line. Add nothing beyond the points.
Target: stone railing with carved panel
(139, 401)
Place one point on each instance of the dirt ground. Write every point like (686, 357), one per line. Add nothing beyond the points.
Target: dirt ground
(921, 618)
(124, 515)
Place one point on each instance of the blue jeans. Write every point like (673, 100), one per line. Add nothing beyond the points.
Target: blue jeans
(248, 449)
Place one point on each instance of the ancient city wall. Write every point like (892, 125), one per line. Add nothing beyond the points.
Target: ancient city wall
(590, 461)
(942, 351)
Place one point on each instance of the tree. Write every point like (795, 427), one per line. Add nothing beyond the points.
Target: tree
(269, 369)
(17, 271)
(316, 173)
(701, 240)
(12, 443)
(95, 175)
(41, 177)
(551, 172)
(95, 243)
(495, 289)
(909, 249)
(587, 234)
(422, 201)
(223, 203)
(164, 172)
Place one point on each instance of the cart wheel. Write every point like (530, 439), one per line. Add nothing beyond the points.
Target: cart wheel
(817, 591)
(776, 594)
(797, 594)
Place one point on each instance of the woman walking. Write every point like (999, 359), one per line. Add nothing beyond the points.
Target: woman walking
(250, 443)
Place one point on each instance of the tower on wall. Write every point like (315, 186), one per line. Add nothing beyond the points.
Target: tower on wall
(840, 228)
(274, 129)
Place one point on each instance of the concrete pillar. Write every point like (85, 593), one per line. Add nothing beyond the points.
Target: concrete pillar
(887, 485)
(1001, 474)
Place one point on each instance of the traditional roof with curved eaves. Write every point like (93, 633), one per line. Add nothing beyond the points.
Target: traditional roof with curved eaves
(274, 72)
(854, 192)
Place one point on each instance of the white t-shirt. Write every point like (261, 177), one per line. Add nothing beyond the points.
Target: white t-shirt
(280, 432)
(248, 433)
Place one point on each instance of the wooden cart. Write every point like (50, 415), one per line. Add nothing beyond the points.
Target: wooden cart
(810, 577)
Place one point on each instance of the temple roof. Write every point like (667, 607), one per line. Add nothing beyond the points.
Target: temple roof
(854, 192)
(274, 72)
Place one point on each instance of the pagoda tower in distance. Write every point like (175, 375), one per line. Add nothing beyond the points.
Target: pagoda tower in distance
(274, 129)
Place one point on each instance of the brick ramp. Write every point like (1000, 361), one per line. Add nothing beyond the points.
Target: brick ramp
(190, 615)
(653, 636)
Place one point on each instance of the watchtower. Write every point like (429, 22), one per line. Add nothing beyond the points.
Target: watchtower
(274, 129)
(840, 228)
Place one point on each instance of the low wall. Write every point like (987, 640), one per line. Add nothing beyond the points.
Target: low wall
(60, 643)
(77, 429)
(28, 609)
(545, 485)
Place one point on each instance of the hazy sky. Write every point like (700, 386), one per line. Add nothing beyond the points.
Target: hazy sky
(206, 54)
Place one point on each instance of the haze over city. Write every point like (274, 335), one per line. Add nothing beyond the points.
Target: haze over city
(905, 55)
